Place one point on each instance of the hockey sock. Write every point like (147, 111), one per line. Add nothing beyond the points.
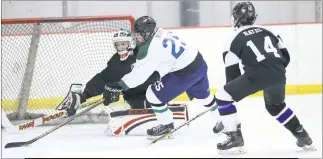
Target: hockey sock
(163, 114)
(230, 122)
(285, 116)
(228, 113)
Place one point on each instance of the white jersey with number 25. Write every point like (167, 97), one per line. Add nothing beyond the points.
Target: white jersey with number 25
(165, 52)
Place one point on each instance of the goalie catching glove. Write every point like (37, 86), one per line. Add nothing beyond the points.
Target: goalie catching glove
(73, 100)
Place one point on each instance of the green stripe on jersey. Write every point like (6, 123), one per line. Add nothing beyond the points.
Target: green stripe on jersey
(160, 110)
(143, 50)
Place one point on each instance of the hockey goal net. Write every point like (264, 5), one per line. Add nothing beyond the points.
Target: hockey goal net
(41, 58)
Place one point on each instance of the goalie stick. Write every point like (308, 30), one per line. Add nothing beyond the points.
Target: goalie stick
(186, 123)
(44, 119)
(26, 143)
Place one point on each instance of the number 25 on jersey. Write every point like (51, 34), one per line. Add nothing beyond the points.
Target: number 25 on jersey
(172, 40)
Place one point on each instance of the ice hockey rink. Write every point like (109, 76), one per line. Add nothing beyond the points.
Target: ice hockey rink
(263, 135)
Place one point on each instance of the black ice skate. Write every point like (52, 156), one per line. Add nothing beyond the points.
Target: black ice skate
(303, 139)
(233, 144)
(159, 130)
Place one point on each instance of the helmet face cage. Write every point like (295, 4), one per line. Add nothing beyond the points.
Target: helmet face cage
(122, 45)
(140, 38)
(124, 41)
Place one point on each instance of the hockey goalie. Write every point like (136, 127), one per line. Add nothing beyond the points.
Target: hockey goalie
(135, 119)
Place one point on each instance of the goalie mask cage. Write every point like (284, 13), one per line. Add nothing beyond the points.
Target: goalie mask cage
(42, 57)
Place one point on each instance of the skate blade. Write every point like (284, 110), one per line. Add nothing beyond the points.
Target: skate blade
(309, 148)
(156, 137)
(233, 151)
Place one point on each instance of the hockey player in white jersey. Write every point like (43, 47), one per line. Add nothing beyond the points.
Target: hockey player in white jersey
(180, 65)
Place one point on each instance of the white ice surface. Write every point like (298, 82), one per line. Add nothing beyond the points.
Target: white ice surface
(263, 135)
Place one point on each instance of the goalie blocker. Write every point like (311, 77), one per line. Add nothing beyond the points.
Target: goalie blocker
(135, 122)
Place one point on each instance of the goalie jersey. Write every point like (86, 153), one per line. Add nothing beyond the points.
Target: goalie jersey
(114, 71)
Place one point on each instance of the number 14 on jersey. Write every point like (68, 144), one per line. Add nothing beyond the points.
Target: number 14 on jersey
(268, 46)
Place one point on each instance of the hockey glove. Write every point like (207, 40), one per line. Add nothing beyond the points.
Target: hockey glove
(73, 100)
(111, 93)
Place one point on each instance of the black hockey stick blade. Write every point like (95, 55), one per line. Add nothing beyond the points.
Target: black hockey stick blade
(26, 143)
(19, 144)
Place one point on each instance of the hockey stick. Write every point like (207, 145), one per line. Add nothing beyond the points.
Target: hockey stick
(44, 119)
(26, 143)
(186, 123)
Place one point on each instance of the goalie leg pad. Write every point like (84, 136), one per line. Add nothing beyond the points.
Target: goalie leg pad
(135, 122)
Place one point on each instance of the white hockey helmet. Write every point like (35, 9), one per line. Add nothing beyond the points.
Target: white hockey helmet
(124, 42)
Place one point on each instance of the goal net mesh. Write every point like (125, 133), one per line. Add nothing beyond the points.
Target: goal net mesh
(41, 58)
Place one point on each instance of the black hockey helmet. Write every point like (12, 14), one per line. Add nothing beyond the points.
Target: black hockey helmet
(144, 27)
(244, 13)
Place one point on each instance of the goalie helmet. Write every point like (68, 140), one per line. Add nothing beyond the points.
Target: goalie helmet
(124, 43)
(244, 13)
(144, 28)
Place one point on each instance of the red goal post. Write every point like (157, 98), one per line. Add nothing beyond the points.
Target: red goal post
(41, 57)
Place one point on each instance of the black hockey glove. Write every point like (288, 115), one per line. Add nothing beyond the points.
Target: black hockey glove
(111, 93)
